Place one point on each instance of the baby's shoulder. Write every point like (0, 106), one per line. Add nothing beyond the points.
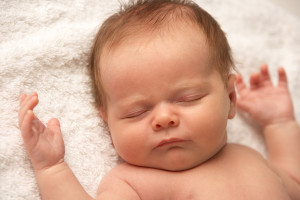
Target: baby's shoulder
(114, 184)
(132, 181)
(240, 148)
(241, 161)
(238, 152)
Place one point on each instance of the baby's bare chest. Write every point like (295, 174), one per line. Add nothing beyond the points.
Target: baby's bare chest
(214, 180)
(212, 185)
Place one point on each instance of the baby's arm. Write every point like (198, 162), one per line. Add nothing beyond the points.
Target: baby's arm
(45, 147)
(272, 108)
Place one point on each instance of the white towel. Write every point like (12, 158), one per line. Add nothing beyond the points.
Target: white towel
(44, 47)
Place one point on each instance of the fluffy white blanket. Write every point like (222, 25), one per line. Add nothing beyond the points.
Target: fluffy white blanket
(44, 46)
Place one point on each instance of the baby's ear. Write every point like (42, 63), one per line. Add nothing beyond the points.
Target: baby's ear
(231, 95)
(103, 114)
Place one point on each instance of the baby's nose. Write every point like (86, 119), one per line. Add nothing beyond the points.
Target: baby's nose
(165, 119)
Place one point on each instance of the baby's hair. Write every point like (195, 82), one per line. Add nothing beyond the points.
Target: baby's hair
(152, 16)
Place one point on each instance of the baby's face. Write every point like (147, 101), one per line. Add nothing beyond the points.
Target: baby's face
(166, 107)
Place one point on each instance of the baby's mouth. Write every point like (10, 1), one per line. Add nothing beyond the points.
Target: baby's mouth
(169, 141)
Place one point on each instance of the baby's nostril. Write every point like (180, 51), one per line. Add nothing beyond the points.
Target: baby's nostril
(171, 122)
(158, 126)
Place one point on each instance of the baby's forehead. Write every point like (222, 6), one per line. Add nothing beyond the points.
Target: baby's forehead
(145, 36)
(182, 36)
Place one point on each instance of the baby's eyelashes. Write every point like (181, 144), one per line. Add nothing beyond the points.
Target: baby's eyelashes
(142, 111)
(189, 98)
(135, 114)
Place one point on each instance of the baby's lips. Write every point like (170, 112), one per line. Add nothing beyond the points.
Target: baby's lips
(169, 141)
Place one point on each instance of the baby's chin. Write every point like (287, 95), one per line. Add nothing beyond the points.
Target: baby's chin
(178, 168)
(178, 165)
(172, 167)
(181, 167)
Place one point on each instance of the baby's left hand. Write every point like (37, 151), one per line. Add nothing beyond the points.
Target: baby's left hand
(266, 103)
(44, 144)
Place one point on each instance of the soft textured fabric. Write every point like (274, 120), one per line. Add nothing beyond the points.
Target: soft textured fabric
(44, 47)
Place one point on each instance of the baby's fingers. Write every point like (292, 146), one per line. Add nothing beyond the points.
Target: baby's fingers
(255, 80)
(265, 78)
(26, 127)
(27, 103)
(240, 85)
(282, 78)
(31, 130)
(23, 98)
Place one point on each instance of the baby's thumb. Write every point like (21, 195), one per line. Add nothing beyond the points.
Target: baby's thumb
(53, 122)
(54, 125)
(54, 129)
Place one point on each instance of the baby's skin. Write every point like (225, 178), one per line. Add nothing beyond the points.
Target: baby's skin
(167, 115)
(236, 172)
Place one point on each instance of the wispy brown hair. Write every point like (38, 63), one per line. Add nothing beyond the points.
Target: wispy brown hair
(141, 16)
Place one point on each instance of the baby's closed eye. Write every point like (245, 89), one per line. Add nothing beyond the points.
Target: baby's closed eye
(135, 113)
(189, 98)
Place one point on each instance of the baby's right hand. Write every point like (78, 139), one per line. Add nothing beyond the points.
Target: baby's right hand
(44, 145)
(266, 103)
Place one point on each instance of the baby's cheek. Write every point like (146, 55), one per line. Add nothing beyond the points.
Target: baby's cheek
(208, 122)
(127, 145)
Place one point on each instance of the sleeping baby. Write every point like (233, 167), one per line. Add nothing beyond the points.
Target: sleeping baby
(163, 82)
